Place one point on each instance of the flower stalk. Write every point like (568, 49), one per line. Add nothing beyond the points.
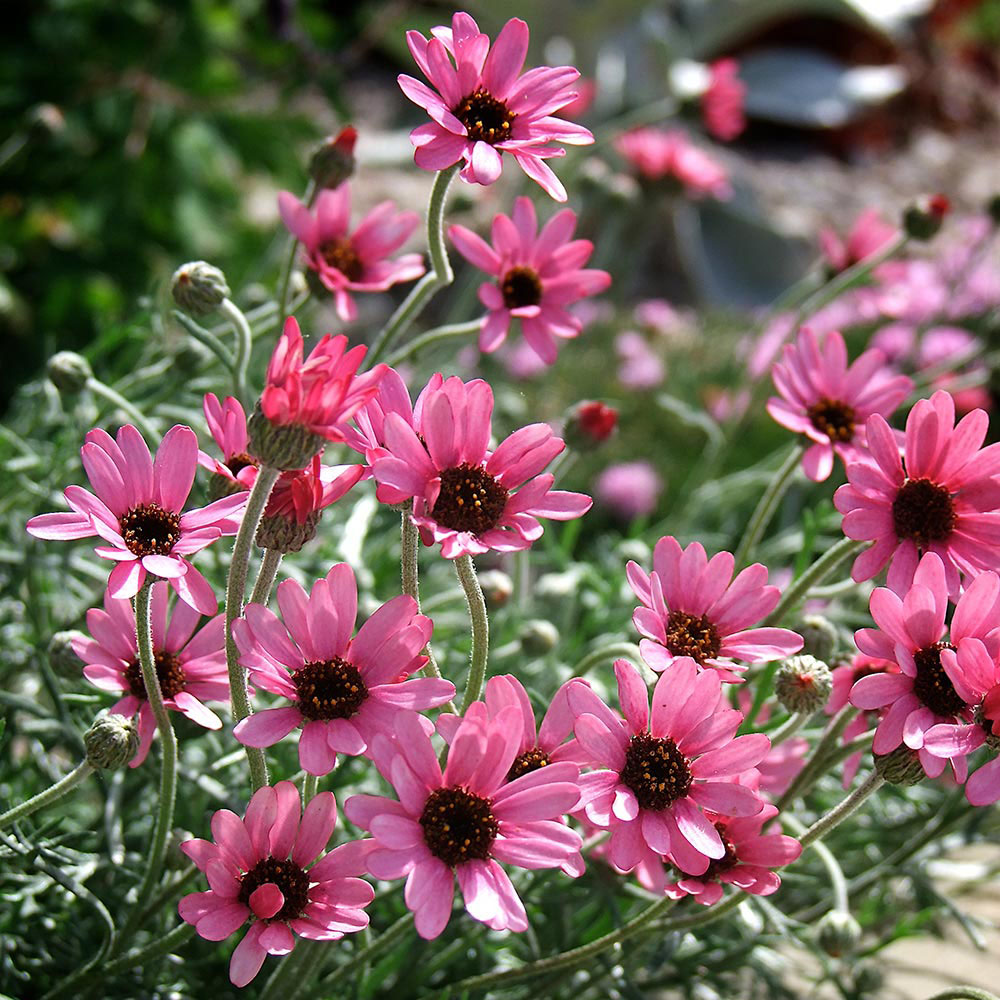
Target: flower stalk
(767, 505)
(51, 794)
(244, 342)
(845, 808)
(480, 629)
(814, 575)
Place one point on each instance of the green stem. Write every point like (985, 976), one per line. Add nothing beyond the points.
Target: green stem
(206, 338)
(244, 342)
(295, 971)
(811, 771)
(235, 589)
(604, 654)
(437, 277)
(964, 993)
(161, 946)
(838, 884)
(261, 592)
(309, 785)
(388, 937)
(789, 727)
(845, 808)
(814, 575)
(51, 794)
(480, 623)
(97, 387)
(286, 272)
(438, 335)
(767, 505)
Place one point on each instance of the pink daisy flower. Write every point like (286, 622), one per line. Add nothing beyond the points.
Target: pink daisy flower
(829, 402)
(466, 497)
(137, 512)
(269, 868)
(343, 690)
(227, 423)
(722, 102)
(461, 823)
(191, 666)
(868, 235)
(911, 634)
(537, 276)
(668, 153)
(357, 261)
(693, 610)
(482, 106)
(660, 769)
(940, 496)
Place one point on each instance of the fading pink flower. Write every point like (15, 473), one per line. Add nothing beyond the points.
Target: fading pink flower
(355, 261)
(538, 274)
(694, 611)
(343, 690)
(641, 367)
(668, 153)
(829, 402)
(630, 489)
(868, 235)
(463, 822)
(269, 868)
(482, 106)
(723, 100)
(228, 425)
(137, 512)
(940, 496)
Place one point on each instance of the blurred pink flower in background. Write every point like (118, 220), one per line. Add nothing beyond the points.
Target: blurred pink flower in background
(722, 102)
(641, 367)
(868, 235)
(668, 153)
(630, 489)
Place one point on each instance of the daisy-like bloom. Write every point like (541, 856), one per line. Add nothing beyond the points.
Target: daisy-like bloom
(137, 512)
(537, 275)
(911, 633)
(868, 235)
(191, 666)
(228, 424)
(691, 611)
(466, 497)
(940, 496)
(668, 153)
(343, 690)
(461, 823)
(482, 106)
(829, 402)
(630, 489)
(660, 769)
(722, 102)
(269, 868)
(355, 261)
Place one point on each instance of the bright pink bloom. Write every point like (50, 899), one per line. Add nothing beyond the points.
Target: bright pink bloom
(463, 822)
(658, 153)
(466, 497)
(484, 107)
(722, 102)
(228, 423)
(829, 402)
(537, 276)
(357, 261)
(343, 690)
(264, 868)
(868, 235)
(940, 497)
(630, 489)
(191, 667)
(660, 769)
(692, 612)
(137, 512)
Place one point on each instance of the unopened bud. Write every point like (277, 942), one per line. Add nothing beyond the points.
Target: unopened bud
(62, 655)
(282, 446)
(869, 981)
(819, 637)
(589, 424)
(286, 534)
(333, 161)
(199, 288)
(538, 637)
(69, 372)
(923, 218)
(900, 766)
(803, 684)
(838, 933)
(497, 587)
(111, 742)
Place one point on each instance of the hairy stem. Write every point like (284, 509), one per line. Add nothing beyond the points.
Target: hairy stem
(286, 272)
(767, 505)
(814, 575)
(596, 657)
(206, 338)
(261, 592)
(843, 809)
(244, 341)
(814, 767)
(436, 336)
(388, 937)
(480, 623)
(96, 386)
(50, 795)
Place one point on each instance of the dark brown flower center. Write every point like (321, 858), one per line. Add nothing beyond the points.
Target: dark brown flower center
(525, 763)
(470, 499)
(238, 463)
(932, 685)
(149, 530)
(656, 771)
(329, 689)
(169, 672)
(458, 825)
(833, 418)
(716, 866)
(692, 635)
(341, 254)
(521, 286)
(287, 876)
(923, 512)
(485, 118)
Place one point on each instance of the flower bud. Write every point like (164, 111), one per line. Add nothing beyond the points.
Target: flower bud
(803, 684)
(923, 218)
(69, 372)
(286, 534)
(199, 288)
(819, 636)
(538, 637)
(333, 161)
(589, 424)
(61, 654)
(111, 742)
(497, 587)
(281, 446)
(838, 933)
(900, 766)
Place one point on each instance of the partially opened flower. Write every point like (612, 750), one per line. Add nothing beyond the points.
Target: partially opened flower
(269, 868)
(348, 261)
(342, 690)
(190, 665)
(829, 402)
(941, 496)
(868, 235)
(694, 610)
(668, 154)
(137, 513)
(537, 276)
(227, 422)
(462, 822)
(483, 106)
(466, 497)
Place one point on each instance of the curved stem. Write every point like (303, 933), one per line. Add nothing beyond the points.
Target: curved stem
(437, 277)
(244, 342)
(964, 993)
(789, 727)
(767, 505)
(235, 589)
(261, 592)
(286, 272)
(805, 779)
(96, 386)
(206, 338)
(295, 971)
(438, 335)
(843, 809)
(51, 794)
(161, 946)
(388, 937)
(838, 884)
(480, 629)
(602, 654)
(815, 574)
